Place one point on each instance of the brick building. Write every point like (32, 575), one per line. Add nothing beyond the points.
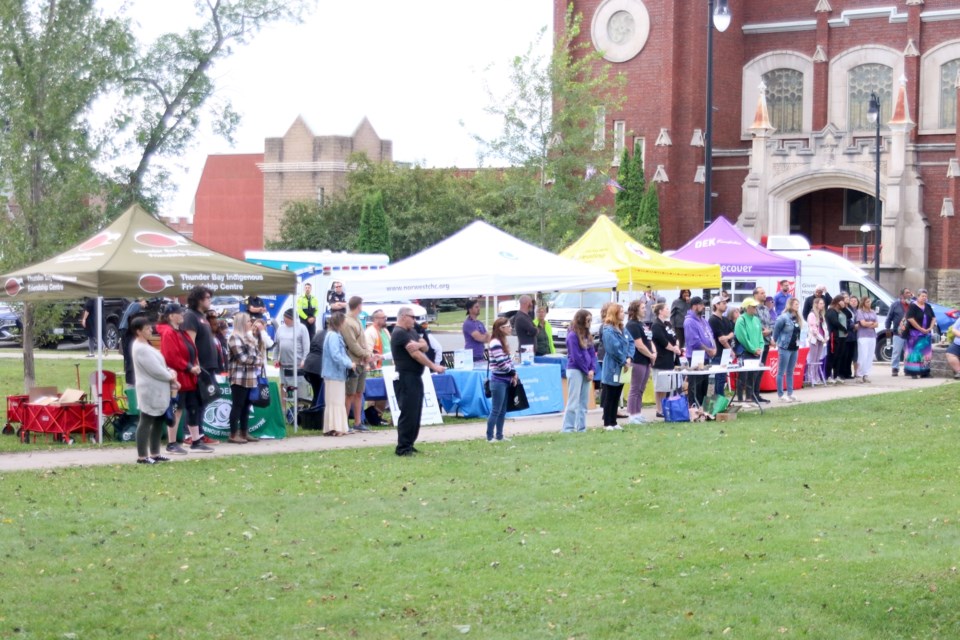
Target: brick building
(807, 164)
(302, 165)
(247, 193)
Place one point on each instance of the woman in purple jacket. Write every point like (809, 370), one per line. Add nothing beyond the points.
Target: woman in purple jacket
(581, 365)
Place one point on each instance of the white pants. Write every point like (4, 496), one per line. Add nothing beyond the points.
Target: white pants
(865, 352)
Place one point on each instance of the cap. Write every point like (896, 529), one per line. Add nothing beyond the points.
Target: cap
(288, 314)
(172, 307)
(749, 302)
(717, 300)
(696, 300)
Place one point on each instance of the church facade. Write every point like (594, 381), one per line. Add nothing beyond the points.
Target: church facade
(793, 144)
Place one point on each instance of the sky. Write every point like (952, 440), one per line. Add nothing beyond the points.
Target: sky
(416, 69)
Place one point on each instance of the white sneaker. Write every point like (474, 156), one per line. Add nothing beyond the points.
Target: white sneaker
(784, 398)
(637, 419)
(609, 428)
(793, 399)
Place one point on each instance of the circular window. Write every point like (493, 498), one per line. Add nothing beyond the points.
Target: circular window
(620, 29)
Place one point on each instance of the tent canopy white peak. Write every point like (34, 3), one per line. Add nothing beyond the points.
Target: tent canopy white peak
(477, 260)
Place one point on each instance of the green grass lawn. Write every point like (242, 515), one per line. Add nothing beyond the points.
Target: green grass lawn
(835, 520)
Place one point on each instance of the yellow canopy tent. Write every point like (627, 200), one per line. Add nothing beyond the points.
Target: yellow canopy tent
(607, 246)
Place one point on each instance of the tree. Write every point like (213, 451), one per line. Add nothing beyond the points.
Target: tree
(551, 121)
(306, 225)
(629, 200)
(170, 87)
(648, 222)
(56, 59)
(374, 234)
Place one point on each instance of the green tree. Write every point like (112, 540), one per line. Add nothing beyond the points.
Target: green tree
(307, 226)
(648, 222)
(374, 236)
(553, 129)
(56, 59)
(630, 199)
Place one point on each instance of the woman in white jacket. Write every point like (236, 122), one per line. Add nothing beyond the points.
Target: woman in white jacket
(154, 383)
(817, 336)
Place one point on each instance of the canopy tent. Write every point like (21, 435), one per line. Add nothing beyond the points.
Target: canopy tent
(606, 246)
(722, 243)
(477, 260)
(138, 255)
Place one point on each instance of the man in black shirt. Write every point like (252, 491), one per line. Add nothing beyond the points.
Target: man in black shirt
(722, 329)
(820, 292)
(255, 307)
(197, 326)
(409, 356)
(523, 324)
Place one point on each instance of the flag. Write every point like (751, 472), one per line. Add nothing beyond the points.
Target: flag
(613, 186)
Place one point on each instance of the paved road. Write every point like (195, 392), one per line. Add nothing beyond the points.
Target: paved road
(70, 457)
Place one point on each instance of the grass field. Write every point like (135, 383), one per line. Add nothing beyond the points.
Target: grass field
(835, 520)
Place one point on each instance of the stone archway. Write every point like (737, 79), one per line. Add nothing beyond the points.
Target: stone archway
(783, 170)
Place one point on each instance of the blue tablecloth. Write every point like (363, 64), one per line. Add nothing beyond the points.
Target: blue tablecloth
(541, 382)
(444, 385)
(557, 359)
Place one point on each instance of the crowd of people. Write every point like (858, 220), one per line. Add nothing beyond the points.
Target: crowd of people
(335, 352)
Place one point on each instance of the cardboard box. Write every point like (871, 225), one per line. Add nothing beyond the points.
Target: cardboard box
(726, 417)
(43, 395)
(70, 396)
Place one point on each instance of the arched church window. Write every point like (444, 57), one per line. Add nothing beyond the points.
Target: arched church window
(785, 99)
(864, 80)
(948, 93)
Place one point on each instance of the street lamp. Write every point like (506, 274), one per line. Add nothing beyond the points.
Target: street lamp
(864, 229)
(873, 115)
(720, 18)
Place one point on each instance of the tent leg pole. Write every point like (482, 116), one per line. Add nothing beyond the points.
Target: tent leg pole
(99, 347)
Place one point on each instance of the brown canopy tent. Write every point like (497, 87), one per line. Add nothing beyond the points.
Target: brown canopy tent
(139, 255)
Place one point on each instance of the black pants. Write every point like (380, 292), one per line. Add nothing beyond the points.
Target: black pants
(316, 383)
(849, 356)
(409, 389)
(697, 389)
(610, 401)
(748, 381)
(126, 348)
(240, 409)
(311, 327)
(836, 356)
(758, 375)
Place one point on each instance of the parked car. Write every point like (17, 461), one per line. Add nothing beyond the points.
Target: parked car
(226, 306)
(10, 324)
(71, 330)
(946, 316)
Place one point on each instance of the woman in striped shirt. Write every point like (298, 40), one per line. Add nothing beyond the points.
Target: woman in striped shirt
(502, 377)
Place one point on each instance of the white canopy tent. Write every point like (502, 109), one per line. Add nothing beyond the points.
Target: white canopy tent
(477, 260)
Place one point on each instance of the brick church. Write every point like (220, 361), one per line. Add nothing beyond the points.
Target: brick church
(793, 147)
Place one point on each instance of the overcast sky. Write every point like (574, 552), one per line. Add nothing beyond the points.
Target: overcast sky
(416, 69)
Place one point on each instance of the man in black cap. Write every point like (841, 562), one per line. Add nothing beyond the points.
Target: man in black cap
(698, 337)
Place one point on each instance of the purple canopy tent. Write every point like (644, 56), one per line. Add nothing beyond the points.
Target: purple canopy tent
(738, 256)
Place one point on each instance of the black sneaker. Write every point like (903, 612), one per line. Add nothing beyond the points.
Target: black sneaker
(146, 461)
(160, 458)
(408, 452)
(176, 449)
(203, 448)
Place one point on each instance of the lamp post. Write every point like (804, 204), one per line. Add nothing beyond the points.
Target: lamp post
(864, 230)
(719, 18)
(873, 115)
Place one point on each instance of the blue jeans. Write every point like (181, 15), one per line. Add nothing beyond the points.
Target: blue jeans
(499, 391)
(785, 365)
(719, 380)
(898, 344)
(578, 394)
